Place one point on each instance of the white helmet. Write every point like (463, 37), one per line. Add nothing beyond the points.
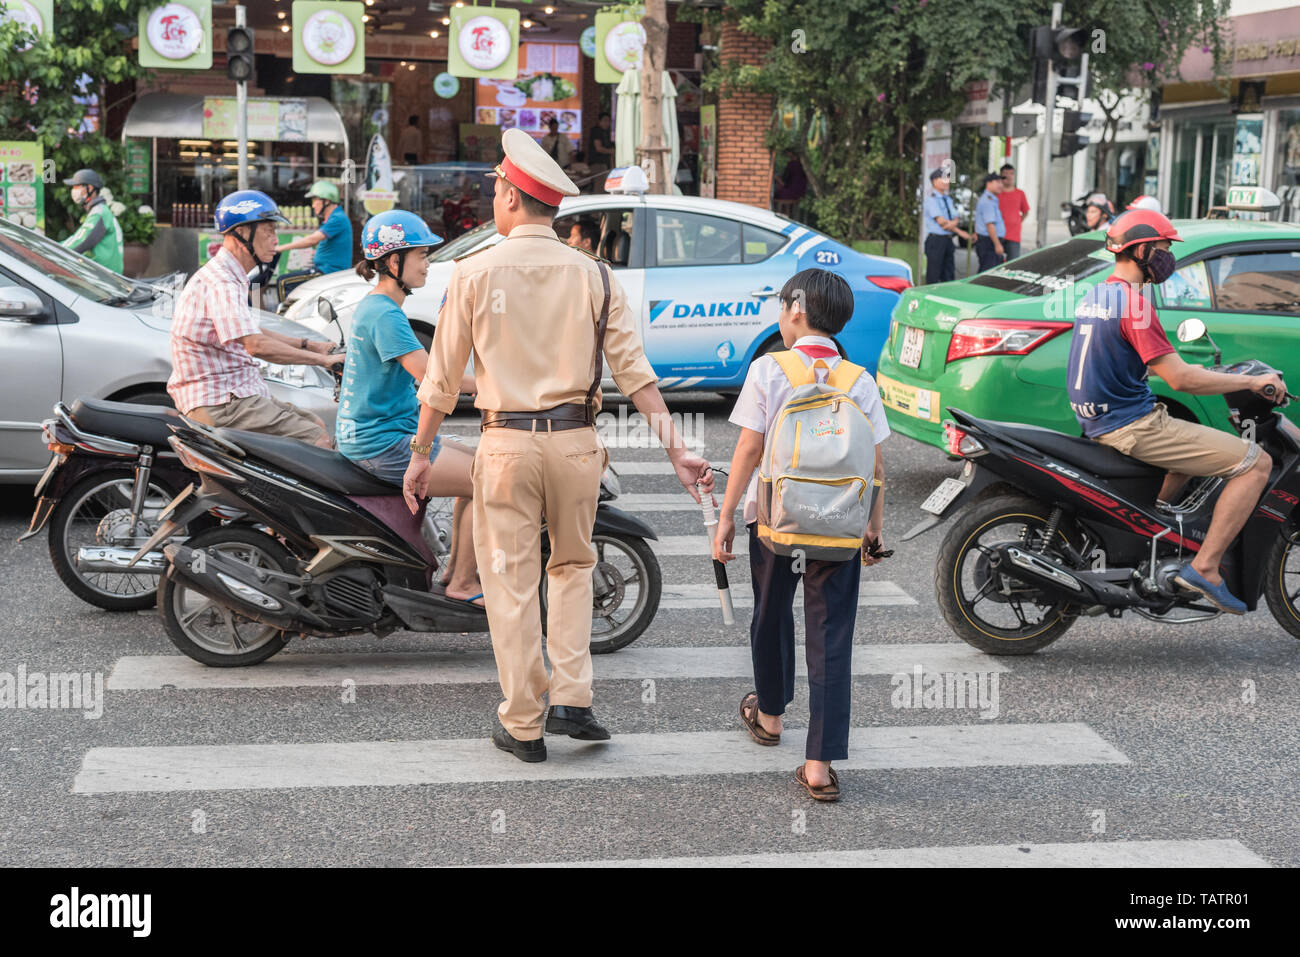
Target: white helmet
(1146, 202)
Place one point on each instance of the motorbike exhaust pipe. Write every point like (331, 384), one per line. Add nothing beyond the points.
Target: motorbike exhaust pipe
(230, 583)
(102, 559)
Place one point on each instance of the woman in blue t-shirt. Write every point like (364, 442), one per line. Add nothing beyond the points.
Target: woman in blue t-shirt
(378, 408)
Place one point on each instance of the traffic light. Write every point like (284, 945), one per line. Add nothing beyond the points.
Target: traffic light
(239, 54)
(1071, 141)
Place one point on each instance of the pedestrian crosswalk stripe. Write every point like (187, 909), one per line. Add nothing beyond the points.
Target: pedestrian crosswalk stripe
(237, 767)
(316, 669)
(1210, 853)
(659, 466)
(680, 596)
(694, 545)
(660, 502)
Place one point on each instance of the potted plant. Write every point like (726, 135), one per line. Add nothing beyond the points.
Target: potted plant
(138, 229)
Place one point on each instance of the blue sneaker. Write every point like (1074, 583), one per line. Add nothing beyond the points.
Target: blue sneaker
(1218, 595)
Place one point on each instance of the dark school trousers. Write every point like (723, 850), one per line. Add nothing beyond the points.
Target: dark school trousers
(940, 259)
(830, 599)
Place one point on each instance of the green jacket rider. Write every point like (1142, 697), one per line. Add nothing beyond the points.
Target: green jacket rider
(100, 234)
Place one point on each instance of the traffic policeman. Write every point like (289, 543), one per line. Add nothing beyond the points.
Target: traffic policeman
(941, 224)
(100, 234)
(530, 310)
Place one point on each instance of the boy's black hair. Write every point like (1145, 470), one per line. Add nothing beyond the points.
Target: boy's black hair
(1005, 167)
(825, 296)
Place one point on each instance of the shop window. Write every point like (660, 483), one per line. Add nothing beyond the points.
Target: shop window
(1257, 282)
(760, 243)
(1188, 288)
(689, 239)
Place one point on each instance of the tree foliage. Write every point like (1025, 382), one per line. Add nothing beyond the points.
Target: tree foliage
(40, 90)
(867, 74)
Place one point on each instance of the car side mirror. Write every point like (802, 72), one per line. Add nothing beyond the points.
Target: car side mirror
(1189, 330)
(20, 305)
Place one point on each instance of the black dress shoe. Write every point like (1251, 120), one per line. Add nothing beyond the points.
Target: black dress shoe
(530, 751)
(577, 723)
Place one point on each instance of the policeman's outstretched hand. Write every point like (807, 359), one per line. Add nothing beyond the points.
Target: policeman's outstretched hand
(416, 481)
(692, 470)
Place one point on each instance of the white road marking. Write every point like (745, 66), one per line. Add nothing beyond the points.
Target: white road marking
(680, 596)
(325, 670)
(659, 466)
(474, 761)
(670, 545)
(1090, 854)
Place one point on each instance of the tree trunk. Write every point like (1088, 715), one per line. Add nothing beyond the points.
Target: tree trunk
(653, 148)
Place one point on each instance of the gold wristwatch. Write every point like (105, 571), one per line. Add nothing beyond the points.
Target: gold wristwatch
(419, 449)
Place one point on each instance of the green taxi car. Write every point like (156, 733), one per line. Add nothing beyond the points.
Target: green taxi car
(996, 344)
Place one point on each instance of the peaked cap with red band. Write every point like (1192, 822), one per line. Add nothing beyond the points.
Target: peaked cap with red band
(531, 169)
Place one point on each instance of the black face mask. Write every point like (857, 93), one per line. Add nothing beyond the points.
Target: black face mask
(1158, 266)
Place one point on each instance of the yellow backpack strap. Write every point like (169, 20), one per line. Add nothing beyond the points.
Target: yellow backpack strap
(793, 367)
(844, 375)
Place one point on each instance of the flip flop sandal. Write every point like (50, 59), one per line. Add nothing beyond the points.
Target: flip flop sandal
(750, 720)
(469, 600)
(828, 792)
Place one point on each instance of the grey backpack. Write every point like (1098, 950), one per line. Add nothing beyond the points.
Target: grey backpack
(816, 482)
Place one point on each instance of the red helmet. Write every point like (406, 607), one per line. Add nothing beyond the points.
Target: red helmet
(1139, 226)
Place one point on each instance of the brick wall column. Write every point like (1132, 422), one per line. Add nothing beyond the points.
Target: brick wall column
(744, 161)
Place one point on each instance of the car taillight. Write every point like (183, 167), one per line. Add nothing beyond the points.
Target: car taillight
(892, 283)
(991, 337)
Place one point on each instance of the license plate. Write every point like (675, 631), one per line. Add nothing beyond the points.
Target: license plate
(942, 497)
(55, 462)
(913, 343)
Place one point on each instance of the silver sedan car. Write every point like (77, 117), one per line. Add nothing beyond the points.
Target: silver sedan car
(70, 328)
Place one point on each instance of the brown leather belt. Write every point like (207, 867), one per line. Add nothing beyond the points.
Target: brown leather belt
(571, 416)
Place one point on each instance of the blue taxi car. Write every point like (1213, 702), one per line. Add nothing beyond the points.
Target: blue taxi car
(706, 274)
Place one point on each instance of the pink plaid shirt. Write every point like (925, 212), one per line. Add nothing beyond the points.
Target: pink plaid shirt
(209, 365)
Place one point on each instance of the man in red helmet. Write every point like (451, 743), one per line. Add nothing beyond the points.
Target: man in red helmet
(1117, 342)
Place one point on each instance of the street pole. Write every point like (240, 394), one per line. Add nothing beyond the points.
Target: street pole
(1045, 160)
(241, 111)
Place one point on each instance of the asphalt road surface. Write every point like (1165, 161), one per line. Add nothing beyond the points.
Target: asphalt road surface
(1126, 742)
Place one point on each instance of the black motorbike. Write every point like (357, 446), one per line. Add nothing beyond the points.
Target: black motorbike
(110, 474)
(1049, 527)
(325, 549)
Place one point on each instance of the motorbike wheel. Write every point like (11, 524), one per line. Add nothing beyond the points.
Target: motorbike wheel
(206, 630)
(984, 608)
(1282, 582)
(95, 511)
(627, 599)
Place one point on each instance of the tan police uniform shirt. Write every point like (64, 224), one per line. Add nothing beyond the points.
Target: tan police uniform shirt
(527, 308)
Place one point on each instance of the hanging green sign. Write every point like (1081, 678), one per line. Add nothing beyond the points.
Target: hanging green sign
(137, 167)
(620, 39)
(177, 35)
(22, 185)
(446, 85)
(484, 42)
(587, 41)
(36, 15)
(329, 37)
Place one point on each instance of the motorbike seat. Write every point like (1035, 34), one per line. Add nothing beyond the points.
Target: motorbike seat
(127, 421)
(1088, 455)
(324, 467)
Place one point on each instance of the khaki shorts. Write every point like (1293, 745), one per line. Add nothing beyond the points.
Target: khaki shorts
(262, 413)
(1181, 446)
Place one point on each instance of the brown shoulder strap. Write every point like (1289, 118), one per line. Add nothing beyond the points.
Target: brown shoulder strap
(600, 345)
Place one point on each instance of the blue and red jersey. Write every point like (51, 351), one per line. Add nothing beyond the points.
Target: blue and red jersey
(1116, 336)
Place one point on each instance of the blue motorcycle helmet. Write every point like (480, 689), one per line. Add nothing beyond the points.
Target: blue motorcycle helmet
(247, 207)
(396, 231)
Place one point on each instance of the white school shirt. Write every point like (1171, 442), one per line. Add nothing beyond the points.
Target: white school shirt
(766, 390)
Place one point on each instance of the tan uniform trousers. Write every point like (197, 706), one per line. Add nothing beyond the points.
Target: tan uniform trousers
(518, 476)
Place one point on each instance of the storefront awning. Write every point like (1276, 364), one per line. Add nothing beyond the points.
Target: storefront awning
(175, 115)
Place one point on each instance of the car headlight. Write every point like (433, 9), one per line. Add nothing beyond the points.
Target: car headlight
(306, 306)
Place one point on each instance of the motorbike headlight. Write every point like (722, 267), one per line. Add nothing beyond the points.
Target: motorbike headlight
(306, 306)
(296, 376)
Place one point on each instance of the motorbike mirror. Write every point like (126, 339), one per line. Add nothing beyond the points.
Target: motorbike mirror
(325, 309)
(1189, 330)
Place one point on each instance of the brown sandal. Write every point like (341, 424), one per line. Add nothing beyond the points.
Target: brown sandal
(750, 719)
(828, 792)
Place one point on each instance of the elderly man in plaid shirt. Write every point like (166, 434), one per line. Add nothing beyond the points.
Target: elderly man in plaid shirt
(215, 337)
